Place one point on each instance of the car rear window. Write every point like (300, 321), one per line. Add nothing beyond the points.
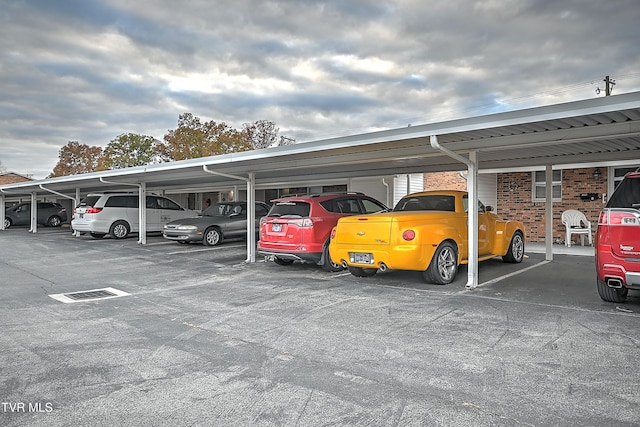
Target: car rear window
(427, 203)
(627, 195)
(342, 206)
(89, 201)
(299, 209)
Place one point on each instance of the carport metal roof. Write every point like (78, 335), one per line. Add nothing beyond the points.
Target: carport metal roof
(596, 130)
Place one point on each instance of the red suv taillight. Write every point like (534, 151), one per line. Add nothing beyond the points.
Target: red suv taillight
(93, 210)
(305, 222)
(618, 218)
(613, 217)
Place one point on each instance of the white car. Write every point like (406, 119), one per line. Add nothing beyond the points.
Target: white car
(116, 214)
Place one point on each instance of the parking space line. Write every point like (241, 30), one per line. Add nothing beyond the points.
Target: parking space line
(168, 242)
(506, 276)
(212, 248)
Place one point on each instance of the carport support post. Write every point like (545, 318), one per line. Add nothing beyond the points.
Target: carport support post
(142, 214)
(472, 188)
(2, 208)
(34, 214)
(76, 203)
(251, 217)
(548, 237)
(75, 200)
(251, 208)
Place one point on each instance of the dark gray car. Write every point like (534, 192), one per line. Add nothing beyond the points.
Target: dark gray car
(217, 222)
(49, 214)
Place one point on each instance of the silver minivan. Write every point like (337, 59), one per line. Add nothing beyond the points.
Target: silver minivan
(116, 214)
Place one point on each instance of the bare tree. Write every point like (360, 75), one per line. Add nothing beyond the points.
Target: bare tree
(261, 133)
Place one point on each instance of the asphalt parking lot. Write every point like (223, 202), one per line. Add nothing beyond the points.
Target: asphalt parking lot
(203, 338)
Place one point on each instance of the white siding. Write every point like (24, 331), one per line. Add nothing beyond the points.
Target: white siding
(375, 188)
(416, 183)
(488, 189)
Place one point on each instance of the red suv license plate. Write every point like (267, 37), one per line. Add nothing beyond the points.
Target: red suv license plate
(362, 258)
(276, 227)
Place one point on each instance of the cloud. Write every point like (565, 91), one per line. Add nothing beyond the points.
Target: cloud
(89, 71)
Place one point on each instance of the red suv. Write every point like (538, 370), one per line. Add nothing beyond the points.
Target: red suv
(297, 228)
(618, 241)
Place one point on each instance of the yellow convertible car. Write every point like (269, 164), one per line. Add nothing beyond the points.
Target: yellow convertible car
(425, 232)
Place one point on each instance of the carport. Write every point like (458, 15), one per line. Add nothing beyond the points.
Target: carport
(600, 130)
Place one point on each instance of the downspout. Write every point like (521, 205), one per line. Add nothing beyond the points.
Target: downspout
(142, 208)
(251, 208)
(75, 201)
(386, 192)
(472, 188)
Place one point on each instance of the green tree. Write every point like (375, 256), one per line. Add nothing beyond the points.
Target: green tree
(193, 138)
(130, 149)
(75, 158)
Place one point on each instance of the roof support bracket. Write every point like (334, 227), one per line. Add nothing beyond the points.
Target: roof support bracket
(75, 200)
(142, 207)
(251, 208)
(472, 188)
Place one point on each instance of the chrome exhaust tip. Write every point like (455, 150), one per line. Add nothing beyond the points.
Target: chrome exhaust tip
(344, 264)
(614, 283)
(383, 267)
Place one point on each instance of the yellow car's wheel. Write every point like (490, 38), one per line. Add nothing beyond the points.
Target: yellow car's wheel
(515, 253)
(444, 265)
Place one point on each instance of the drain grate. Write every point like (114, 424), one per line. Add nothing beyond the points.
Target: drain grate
(89, 295)
(101, 293)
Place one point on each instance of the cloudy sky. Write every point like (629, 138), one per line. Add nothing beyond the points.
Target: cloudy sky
(90, 70)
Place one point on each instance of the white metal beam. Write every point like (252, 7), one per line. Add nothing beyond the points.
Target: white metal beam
(548, 236)
(2, 208)
(472, 230)
(251, 217)
(34, 213)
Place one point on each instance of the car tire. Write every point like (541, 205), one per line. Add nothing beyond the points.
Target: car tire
(611, 294)
(96, 235)
(515, 254)
(282, 261)
(119, 230)
(7, 223)
(327, 264)
(54, 221)
(362, 272)
(444, 265)
(212, 237)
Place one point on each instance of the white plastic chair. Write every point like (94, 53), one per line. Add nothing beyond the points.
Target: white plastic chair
(575, 222)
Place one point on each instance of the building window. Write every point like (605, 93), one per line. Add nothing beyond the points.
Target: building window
(540, 184)
(619, 173)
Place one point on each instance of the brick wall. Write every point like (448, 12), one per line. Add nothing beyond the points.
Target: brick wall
(515, 201)
(444, 181)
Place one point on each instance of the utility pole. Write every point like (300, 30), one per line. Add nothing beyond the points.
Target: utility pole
(608, 85)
